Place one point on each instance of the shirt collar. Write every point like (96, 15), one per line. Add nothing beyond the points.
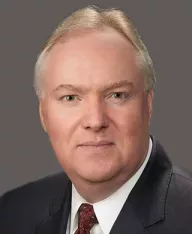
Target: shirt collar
(115, 201)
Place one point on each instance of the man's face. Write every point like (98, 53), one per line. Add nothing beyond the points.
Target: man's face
(95, 110)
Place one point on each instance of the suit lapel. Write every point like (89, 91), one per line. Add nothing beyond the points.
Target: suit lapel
(149, 195)
(66, 211)
(145, 205)
(59, 209)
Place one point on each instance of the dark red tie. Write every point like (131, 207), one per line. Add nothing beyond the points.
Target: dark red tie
(86, 219)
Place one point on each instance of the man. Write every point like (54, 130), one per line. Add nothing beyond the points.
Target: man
(94, 79)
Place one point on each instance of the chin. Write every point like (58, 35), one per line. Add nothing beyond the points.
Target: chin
(99, 176)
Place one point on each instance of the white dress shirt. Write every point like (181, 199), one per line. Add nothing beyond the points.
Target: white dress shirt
(108, 209)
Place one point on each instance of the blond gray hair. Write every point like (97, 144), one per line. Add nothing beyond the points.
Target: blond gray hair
(95, 18)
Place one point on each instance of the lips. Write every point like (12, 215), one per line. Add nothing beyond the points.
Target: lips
(96, 144)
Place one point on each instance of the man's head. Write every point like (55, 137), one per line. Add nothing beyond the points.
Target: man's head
(94, 80)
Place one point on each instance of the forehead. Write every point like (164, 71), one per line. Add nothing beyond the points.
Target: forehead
(92, 59)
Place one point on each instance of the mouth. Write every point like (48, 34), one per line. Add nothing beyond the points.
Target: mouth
(99, 144)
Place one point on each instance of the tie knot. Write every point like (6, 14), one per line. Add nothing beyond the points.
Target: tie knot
(87, 218)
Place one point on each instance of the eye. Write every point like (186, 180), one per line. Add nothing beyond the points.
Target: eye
(120, 95)
(68, 98)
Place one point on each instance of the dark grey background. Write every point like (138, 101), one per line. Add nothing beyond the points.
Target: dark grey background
(165, 26)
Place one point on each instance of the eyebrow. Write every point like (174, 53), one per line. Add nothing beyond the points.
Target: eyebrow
(105, 88)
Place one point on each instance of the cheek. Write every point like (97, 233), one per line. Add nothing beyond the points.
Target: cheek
(131, 120)
(60, 123)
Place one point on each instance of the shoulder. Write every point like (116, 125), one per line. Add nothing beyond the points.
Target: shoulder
(175, 177)
(32, 200)
(178, 180)
(171, 188)
(173, 182)
(50, 185)
(181, 183)
(178, 206)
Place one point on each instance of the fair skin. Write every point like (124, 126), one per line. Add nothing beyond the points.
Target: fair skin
(96, 112)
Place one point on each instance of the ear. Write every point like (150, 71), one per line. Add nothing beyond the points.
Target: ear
(42, 116)
(150, 102)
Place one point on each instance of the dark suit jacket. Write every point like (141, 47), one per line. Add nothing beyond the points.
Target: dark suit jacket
(160, 203)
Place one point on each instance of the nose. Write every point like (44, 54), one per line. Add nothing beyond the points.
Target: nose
(95, 116)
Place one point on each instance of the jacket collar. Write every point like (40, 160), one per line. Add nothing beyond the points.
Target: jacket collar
(148, 197)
